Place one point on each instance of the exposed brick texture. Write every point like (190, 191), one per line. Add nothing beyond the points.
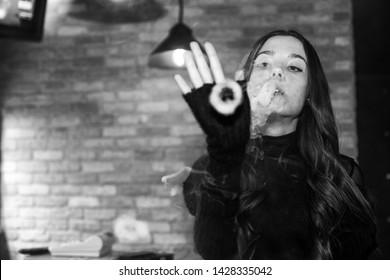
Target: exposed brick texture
(88, 129)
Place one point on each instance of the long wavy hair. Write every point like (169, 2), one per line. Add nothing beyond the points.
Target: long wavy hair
(333, 192)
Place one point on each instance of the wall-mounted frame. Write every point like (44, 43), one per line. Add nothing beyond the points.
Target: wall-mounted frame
(22, 19)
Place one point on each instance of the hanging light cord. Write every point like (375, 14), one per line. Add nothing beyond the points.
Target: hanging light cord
(181, 11)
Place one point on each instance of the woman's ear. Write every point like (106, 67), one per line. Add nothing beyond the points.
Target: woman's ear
(307, 93)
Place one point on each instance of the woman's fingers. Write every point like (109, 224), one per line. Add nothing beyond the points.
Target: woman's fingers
(182, 84)
(192, 70)
(200, 60)
(198, 69)
(215, 64)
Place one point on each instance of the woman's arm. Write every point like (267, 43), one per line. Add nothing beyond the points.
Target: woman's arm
(211, 190)
(211, 193)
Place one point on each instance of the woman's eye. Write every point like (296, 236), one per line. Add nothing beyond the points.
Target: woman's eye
(262, 65)
(294, 69)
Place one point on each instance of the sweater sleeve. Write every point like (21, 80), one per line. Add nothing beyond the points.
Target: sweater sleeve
(214, 205)
(212, 189)
(354, 239)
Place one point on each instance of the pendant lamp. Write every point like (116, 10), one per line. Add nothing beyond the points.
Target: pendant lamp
(169, 54)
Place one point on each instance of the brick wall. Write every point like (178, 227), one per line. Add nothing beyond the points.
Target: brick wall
(89, 129)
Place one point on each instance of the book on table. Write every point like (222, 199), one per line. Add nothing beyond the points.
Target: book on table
(94, 246)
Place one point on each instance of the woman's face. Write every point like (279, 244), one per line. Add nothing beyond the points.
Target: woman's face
(279, 77)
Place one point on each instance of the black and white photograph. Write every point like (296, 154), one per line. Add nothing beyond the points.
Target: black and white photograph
(195, 130)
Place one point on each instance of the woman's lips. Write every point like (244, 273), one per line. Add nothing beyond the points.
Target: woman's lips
(279, 91)
(262, 94)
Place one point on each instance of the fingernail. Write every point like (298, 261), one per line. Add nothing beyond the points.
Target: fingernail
(194, 44)
(209, 48)
(208, 45)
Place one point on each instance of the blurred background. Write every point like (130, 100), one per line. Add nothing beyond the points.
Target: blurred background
(88, 128)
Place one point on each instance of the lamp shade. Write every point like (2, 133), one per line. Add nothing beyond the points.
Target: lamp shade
(170, 52)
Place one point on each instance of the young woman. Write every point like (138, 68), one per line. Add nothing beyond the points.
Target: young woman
(273, 185)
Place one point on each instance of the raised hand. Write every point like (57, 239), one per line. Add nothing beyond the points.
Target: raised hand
(226, 95)
(219, 105)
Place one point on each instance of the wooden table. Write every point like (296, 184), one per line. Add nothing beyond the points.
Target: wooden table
(115, 255)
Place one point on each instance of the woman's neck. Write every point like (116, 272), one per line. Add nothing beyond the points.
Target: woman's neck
(276, 126)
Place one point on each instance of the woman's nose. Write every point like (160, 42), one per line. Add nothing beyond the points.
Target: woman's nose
(277, 73)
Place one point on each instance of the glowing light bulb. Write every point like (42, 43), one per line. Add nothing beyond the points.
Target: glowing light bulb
(178, 57)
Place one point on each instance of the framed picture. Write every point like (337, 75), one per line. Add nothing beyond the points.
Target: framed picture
(22, 19)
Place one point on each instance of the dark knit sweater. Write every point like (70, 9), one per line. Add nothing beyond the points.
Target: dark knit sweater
(282, 223)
